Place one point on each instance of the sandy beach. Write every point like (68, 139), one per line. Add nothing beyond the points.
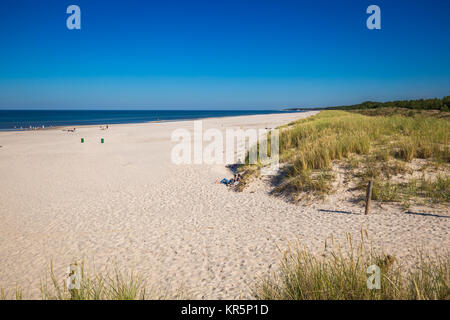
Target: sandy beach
(125, 204)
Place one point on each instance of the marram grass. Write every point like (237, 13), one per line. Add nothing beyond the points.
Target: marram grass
(310, 146)
(339, 274)
(107, 286)
(342, 275)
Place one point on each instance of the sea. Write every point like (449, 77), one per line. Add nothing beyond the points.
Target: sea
(26, 119)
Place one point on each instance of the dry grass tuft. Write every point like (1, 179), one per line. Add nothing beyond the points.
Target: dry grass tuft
(342, 275)
(108, 286)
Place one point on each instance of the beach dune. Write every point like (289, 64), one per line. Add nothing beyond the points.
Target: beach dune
(124, 204)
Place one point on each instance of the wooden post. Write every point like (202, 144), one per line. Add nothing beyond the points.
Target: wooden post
(368, 196)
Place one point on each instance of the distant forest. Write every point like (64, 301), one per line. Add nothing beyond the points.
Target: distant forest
(421, 104)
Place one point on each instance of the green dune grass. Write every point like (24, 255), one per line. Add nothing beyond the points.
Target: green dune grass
(342, 275)
(378, 145)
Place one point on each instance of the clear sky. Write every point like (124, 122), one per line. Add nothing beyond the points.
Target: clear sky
(221, 54)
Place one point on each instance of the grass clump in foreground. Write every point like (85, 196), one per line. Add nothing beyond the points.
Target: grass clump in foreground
(105, 287)
(99, 287)
(378, 146)
(114, 286)
(342, 275)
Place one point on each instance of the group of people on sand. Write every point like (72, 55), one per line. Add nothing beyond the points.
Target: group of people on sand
(31, 128)
(233, 181)
(74, 129)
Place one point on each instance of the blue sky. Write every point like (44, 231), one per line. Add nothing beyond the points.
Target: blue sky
(216, 54)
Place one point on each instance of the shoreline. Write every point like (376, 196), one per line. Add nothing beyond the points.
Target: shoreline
(146, 122)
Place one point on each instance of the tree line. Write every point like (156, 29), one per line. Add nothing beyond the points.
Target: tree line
(420, 104)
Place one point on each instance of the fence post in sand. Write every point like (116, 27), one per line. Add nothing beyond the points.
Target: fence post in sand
(368, 196)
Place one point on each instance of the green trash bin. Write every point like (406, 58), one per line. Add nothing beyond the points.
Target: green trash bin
(82, 140)
(103, 140)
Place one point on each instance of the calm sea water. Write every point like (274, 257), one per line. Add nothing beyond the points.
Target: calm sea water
(16, 119)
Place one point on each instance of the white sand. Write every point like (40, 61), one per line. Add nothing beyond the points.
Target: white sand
(124, 204)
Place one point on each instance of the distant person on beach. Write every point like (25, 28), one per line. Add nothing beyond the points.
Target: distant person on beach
(233, 181)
